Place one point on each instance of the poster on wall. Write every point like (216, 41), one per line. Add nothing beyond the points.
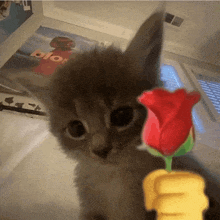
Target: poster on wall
(13, 14)
(36, 60)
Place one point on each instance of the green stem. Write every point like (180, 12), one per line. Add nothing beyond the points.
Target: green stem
(168, 161)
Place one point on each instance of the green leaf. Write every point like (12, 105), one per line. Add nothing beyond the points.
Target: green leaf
(154, 152)
(186, 147)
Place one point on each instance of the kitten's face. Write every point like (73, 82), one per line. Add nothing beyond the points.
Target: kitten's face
(95, 109)
(92, 99)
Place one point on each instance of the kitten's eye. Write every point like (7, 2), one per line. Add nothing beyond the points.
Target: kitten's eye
(122, 116)
(76, 129)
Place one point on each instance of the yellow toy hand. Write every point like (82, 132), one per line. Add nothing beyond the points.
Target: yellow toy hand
(176, 195)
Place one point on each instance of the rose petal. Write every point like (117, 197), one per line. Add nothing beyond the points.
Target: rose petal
(151, 132)
(193, 97)
(169, 118)
(173, 136)
(160, 99)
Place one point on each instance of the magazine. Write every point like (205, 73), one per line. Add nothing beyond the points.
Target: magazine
(36, 60)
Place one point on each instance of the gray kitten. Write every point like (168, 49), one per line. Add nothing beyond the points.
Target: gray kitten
(94, 113)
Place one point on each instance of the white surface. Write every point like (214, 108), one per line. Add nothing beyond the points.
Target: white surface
(38, 184)
(19, 136)
(41, 187)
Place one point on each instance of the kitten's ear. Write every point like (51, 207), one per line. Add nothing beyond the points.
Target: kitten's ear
(146, 46)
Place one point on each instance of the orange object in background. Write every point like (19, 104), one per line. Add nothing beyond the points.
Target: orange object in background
(50, 61)
(176, 195)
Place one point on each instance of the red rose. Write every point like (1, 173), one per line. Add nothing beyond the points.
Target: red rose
(169, 118)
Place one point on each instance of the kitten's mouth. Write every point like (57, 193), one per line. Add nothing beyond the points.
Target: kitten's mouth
(100, 154)
(113, 155)
(105, 156)
(99, 159)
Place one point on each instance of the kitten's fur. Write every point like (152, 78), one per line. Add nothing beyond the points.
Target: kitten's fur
(89, 89)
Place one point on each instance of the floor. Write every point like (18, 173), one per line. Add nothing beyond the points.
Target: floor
(36, 178)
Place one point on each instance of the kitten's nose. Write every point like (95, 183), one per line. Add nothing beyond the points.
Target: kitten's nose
(100, 145)
(101, 153)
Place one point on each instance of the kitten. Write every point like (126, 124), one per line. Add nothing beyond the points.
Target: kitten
(93, 111)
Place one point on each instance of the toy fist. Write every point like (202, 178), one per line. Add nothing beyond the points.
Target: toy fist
(176, 195)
